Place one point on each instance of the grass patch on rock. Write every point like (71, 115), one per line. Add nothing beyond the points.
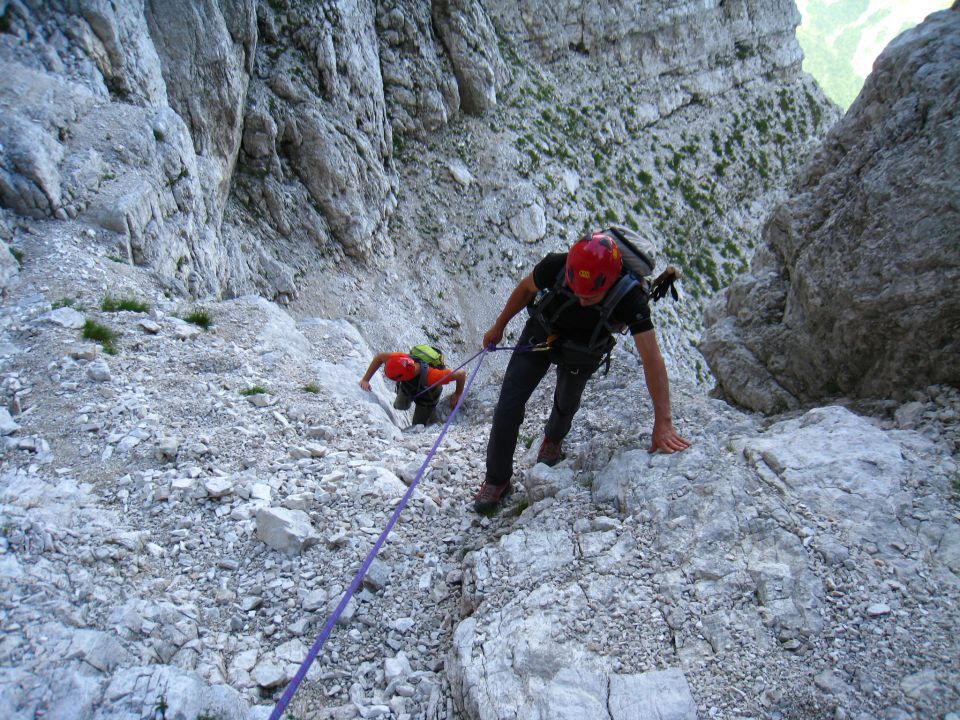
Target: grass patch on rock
(107, 337)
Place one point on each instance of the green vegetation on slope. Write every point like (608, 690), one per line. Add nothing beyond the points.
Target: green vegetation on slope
(841, 38)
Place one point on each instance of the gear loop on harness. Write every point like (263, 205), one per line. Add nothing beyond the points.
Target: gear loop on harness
(531, 347)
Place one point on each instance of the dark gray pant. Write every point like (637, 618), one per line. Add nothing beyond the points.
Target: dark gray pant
(524, 372)
(425, 403)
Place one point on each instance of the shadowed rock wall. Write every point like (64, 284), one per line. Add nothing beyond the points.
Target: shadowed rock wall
(854, 291)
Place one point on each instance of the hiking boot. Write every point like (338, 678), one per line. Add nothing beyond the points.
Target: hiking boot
(550, 452)
(489, 496)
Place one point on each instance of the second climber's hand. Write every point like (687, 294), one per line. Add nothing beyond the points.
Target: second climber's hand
(365, 384)
(454, 399)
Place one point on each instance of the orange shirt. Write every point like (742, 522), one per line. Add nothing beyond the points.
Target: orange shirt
(441, 377)
(438, 376)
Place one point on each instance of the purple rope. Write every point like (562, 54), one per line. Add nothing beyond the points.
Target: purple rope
(328, 628)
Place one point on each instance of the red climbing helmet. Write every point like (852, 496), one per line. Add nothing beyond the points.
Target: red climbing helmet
(593, 264)
(401, 367)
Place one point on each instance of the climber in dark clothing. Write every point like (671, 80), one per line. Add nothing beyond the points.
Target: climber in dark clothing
(576, 284)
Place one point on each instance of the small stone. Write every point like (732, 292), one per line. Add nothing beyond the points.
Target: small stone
(127, 444)
(218, 487)
(921, 684)
(338, 539)
(270, 674)
(315, 450)
(397, 668)
(377, 576)
(251, 603)
(529, 224)
(289, 531)
(66, 317)
(261, 400)
(908, 415)
(402, 625)
(373, 711)
(182, 484)
(878, 609)
(87, 353)
(292, 651)
(301, 501)
(602, 524)
(348, 612)
(167, 448)
(298, 453)
(261, 491)
(299, 626)
(314, 600)
(99, 371)
(7, 425)
(185, 331)
(460, 172)
(245, 660)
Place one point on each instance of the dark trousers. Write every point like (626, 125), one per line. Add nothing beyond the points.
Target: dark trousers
(524, 372)
(425, 404)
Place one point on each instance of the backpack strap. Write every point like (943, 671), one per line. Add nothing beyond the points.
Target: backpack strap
(625, 284)
(618, 292)
(551, 302)
(416, 387)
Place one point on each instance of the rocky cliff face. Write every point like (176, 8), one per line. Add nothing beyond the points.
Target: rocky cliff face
(127, 117)
(178, 520)
(182, 514)
(232, 146)
(658, 38)
(852, 292)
